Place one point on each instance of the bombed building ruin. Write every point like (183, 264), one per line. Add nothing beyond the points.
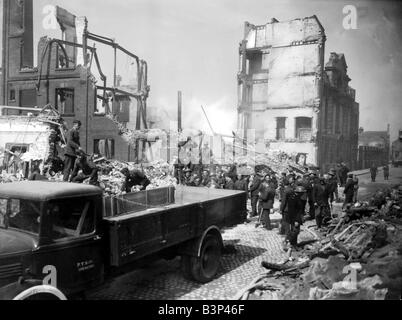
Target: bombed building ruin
(290, 100)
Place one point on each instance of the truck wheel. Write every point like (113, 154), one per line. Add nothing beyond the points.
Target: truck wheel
(205, 267)
(43, 292)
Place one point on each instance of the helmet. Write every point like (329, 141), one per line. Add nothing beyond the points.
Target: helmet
(300, 189)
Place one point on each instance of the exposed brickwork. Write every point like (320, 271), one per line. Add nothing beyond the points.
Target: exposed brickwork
(78, 78)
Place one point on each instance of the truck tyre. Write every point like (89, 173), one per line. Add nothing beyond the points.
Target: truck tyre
(204, 268)
(43, 292)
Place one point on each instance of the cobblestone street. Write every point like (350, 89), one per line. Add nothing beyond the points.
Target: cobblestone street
(252, 244)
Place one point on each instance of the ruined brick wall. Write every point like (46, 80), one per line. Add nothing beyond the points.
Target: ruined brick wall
(20, 83)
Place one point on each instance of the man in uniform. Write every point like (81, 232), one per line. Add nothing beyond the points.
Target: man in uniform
(254, 187)
(71, 149)
(241, 183)
(206, 179)
(294, 203)
(321, 194)
(373, 171)
(386, 172)
(349, 191)
(333, 181)
(229, 185)
(288, 191)
(187, 176)
(267, 199)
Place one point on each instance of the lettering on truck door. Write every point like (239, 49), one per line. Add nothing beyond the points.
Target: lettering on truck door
(69, 253)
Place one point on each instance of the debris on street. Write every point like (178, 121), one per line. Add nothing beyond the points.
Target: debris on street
(358, 256)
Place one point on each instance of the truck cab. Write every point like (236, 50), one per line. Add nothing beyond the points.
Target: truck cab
(50, 233)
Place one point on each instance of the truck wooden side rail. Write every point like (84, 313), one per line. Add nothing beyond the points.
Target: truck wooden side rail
(71, 237)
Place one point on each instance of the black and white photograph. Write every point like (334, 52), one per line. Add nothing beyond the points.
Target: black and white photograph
(226, 151)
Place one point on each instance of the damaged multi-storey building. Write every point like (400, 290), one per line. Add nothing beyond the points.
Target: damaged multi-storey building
(291, 99)
(68, 76)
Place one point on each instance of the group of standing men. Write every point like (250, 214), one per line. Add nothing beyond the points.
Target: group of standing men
(295, 192)
(199, 177)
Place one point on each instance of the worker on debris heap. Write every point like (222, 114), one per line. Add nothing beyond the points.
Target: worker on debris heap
(88, 170)
(206, 179)
(195, 180)
(294, 217)
(254, 186)
(213, 184)
(373, 171)
(232, 173)
(71, 149)
(187, 177)
(288, 190)
(266, 201)
(220, 179)
(291, 175)
(36, 175)
(229, 184)
(241, 183)
(349, 191)
(321, 194)
(134, 178)
(386, 171)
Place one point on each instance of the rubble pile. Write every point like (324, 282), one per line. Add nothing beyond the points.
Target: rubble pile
(358, 256)
(7, 177)
(275, 160)
(159, 173)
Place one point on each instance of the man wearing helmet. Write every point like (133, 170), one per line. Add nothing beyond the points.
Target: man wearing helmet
(321, 194)
(294, 216)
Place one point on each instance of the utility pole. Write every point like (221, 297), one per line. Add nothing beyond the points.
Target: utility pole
(179, 111)
(179, 130)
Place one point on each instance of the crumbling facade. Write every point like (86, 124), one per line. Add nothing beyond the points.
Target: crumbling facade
(63, 79)
(288, 96)
(339, 116)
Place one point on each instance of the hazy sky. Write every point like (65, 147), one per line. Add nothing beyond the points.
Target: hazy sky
(192, 46)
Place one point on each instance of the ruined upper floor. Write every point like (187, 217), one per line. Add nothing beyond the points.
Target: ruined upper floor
(284, 33)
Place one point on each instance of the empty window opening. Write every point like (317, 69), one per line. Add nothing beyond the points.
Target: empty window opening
(303, 128)
(12, 95)
(104, 147)
(280, 128)
(65, 101)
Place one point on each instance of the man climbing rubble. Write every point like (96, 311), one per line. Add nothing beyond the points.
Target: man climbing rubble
(71, 149)
(134, 178)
